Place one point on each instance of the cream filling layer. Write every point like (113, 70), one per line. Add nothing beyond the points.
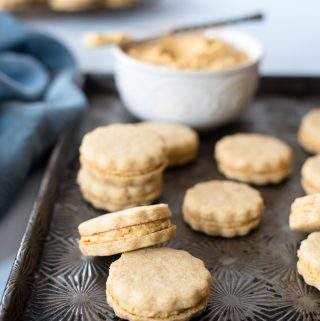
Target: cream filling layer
(126, 232)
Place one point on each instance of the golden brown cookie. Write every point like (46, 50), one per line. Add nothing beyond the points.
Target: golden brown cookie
(121, 167)
(309, 131)
(15, 5)
(108, 191)
(311, 175)
(126, 230)
(72, 5)
(122, 149)
(111, 205)
(158, 284)
(222, 208)
(181, 141)
(254, 158)
(309, 260)
(305, 214)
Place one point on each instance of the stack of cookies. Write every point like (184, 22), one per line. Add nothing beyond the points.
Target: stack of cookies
(121, 166)
(145, 283)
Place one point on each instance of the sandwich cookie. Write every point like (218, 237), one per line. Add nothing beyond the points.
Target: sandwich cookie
(121, 166)
(309, 131)
(158, 284)
(182, 142)
(309, 260)
(113, 197)
(311, 175)
(254, 158)
(305, 214)
(15, 5)
(222, 208)
(126, 230)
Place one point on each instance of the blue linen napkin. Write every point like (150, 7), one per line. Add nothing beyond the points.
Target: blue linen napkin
(38, 100)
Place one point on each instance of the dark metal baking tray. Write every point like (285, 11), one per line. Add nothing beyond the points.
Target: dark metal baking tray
(255, 276)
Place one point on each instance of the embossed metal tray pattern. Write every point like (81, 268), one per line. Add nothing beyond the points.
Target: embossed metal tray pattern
(255, 276)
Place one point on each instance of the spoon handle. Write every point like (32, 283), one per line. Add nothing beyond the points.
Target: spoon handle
(225, 22)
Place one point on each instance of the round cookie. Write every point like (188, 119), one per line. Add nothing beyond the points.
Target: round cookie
(309, 260)
(254, 158)
(311, 175)
(121, 180)
(222, 208)
(126, 193)
(111, 205)
(122, 149)
(15, 5)
(72, 5)
(158, 284)
(309, 131)
(305, 214)
(126, 230)
(181, 141)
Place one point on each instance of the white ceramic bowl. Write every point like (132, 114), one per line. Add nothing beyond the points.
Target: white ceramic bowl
(198, 98)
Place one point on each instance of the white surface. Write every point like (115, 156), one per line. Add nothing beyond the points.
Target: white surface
(198, 98)
(290, 31)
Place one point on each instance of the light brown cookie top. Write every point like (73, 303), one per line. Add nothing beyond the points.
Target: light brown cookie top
(125, 218)
(305, 214)
(309, 131)
(312, 119)
(255, 152)
(309, 252)
(311, 171)
(122, 149)
(181, 141)
(157, 281)
(223, 201)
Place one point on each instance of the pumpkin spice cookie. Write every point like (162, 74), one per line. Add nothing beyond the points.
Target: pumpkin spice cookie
(15, 5)
(126, 230)
(309, 260)
(222, 208)
(72, 5)
(112, 197)
(122, 149)
(181, 141)
(158, 284)
(254, 158)
(121, 167)
(305, 214)
(311, 175)
(309, 131)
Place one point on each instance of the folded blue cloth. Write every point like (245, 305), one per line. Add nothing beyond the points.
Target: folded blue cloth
(38, 100)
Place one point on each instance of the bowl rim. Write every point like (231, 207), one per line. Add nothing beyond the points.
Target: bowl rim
(119, 52)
